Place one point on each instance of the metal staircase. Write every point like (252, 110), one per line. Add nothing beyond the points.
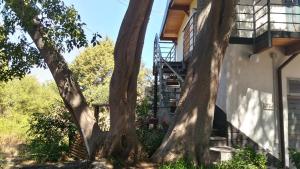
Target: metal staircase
(169, 77)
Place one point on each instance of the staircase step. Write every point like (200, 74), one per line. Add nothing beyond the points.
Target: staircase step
(173, 86)
(172, 82)
(221, 153)
(217, 141)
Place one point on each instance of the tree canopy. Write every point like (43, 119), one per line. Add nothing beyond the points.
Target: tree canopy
(61, 26)
(92, 69)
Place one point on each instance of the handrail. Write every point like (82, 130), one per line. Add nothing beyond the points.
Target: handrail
(157, 46)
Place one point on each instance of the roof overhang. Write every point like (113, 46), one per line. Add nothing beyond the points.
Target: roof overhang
(174, 16)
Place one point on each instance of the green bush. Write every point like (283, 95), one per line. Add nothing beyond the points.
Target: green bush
(179, 164)
(50, 134)
(245, 159)
(295, 157)
(2, 161)
(150, 138)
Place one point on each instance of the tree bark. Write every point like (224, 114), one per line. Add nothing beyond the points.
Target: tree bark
(188, 137)
(122, 140)
(68, 87)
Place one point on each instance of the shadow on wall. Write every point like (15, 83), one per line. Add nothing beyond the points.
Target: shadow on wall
(246, 95)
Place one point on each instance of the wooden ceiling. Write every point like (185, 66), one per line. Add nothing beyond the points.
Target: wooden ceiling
(175, 14)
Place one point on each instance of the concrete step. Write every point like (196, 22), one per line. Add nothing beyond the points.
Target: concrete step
(217, 141)
(221, 153)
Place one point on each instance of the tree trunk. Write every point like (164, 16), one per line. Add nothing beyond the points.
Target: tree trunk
(122, 140)
(195, 112)
(68, 87)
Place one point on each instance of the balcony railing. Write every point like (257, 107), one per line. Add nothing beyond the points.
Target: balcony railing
(189, 36)
(253, 20)
(166, 49)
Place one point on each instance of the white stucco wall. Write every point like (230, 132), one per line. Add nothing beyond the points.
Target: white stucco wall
(246, 95)
(291, 71)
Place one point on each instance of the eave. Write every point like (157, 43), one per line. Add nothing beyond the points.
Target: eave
(174, 16)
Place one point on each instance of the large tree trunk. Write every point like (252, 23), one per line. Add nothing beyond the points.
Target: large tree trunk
(188, 136)
(122, 140)
(68, 87)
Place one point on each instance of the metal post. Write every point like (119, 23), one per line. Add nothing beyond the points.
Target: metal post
(269, 24)
(254, 25)
(155, 99)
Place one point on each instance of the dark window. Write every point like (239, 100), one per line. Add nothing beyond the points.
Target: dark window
(291, 2)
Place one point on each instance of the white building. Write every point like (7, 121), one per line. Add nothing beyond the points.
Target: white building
(260, 79)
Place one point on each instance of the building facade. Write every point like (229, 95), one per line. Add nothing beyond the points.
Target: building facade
(259, 90)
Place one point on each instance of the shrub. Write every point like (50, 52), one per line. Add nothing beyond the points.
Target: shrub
(150, 138)
(2, 161)
(179, 164)
(245, 159)
(295, 157)
(50, 134)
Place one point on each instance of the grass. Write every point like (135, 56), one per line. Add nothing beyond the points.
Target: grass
(13, 126)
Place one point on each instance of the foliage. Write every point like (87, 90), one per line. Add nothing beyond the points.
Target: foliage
(2, 160)
(51, 133)
(245, 159)
(295, 157)
(13, 126)
(25, 96)
(61, 26)
(93, 69)
(150, 138)
(179, 164)
(18, 100)
(143, 108)
(104, 119)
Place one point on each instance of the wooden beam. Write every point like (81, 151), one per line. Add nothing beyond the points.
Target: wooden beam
(174, 39)
(185, 8)
(293, 48)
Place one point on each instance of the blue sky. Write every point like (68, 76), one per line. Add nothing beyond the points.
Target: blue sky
(105, 17)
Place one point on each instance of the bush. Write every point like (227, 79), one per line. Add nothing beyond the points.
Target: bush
(150, 138)
(50, 134)
(245, 159)
(295, 157)
(179, 164)
(2, 161)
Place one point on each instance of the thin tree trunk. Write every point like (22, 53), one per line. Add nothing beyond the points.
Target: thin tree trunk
(122, 140)
(68, 87)
(188, 137)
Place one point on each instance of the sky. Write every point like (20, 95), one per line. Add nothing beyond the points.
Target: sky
(105, 17)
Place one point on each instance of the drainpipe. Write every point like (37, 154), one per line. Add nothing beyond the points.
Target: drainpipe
(280, 107)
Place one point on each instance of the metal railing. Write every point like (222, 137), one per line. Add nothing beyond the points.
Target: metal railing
(162, 57)
(253, 20)
(189, 33)
(265, 16)
(166, 49)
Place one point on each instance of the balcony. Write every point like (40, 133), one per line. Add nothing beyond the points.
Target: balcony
(262, 23)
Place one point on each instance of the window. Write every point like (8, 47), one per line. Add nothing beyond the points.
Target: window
(294, 87)
(291, 2)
